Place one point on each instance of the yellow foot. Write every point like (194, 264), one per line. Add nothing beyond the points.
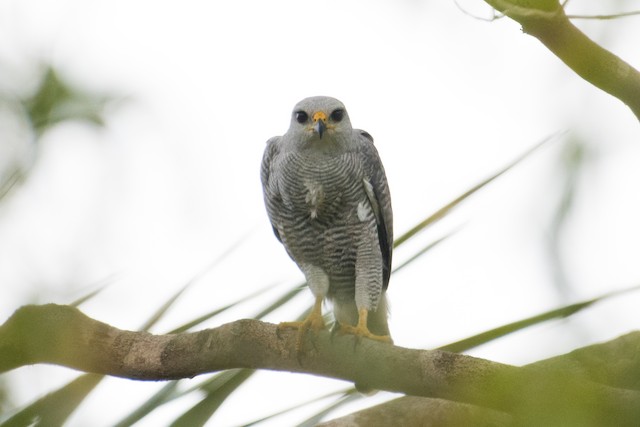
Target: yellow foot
(361, 330)
(314, 321)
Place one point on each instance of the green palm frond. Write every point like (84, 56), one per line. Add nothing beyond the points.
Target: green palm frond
(558, 313)
(75, 392)
(340, 395)
(213, 313)
(169, 303)
(217, 389)
(423, 251)
(446, 209)
(166, 394)
(163, 309)
(282, 300)
(99, 287)
(56, 407)
(347, 397)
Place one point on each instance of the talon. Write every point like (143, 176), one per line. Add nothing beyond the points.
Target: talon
(361, 330)
(314, 321)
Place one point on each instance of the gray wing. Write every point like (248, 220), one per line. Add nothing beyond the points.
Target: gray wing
(272, 199)
(377, 189)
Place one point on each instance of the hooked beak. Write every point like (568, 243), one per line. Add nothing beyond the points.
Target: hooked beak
(319, 123)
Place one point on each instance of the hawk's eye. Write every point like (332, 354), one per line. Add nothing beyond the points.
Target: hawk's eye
(337, 115)
(301, 116)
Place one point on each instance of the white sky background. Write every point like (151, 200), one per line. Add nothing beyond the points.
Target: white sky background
(172, 181)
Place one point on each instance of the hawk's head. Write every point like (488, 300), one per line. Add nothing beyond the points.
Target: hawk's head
(320, 117)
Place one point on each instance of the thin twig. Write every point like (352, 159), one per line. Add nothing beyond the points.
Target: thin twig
(605, 17)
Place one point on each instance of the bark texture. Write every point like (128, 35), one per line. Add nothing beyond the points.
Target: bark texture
(596, 385)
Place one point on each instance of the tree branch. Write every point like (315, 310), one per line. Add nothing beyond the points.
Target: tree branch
(422, 411)
(607, 363)
(63, 335)
(546, 20)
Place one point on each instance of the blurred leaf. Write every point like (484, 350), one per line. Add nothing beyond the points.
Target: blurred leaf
(162, 310)
(341, 393)
(558, 313)
(224, 384)
(348, 397)
(41, 407)
(216, 261)
(13, 178)
(573, 159)
(4, 396)
(288, 296)
(443, 211)
(167, 305)
(218, 389)
(49, 409)
(185, 327)
(167, 393)
(53, 409)
(170, 393)
(100, 286)
(164, 395)
(87, 297)
(422, 251)
(53, 101)
(56, 100)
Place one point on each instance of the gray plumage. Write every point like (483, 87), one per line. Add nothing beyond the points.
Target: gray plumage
(328, 201)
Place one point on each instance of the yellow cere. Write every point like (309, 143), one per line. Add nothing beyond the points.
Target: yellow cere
(319, 115)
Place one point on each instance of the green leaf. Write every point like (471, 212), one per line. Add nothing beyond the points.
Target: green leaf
(100, 286)
(213, 313)
(53, 409)
(11, 180)
(55, 101)
(348, 397)
(423, 251)
(218, 389)
(443, 211)
(164, 395)
(162, 310)
(169, 303)
(41, 408)
(558, 313)
(351, 392)
(288, 296)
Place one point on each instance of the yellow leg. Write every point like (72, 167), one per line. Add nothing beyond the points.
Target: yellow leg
(313, 321)
(361, 330)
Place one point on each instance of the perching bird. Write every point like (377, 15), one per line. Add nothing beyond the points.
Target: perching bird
(328, 201)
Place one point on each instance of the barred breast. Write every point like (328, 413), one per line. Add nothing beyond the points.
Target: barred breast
(322, 220)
